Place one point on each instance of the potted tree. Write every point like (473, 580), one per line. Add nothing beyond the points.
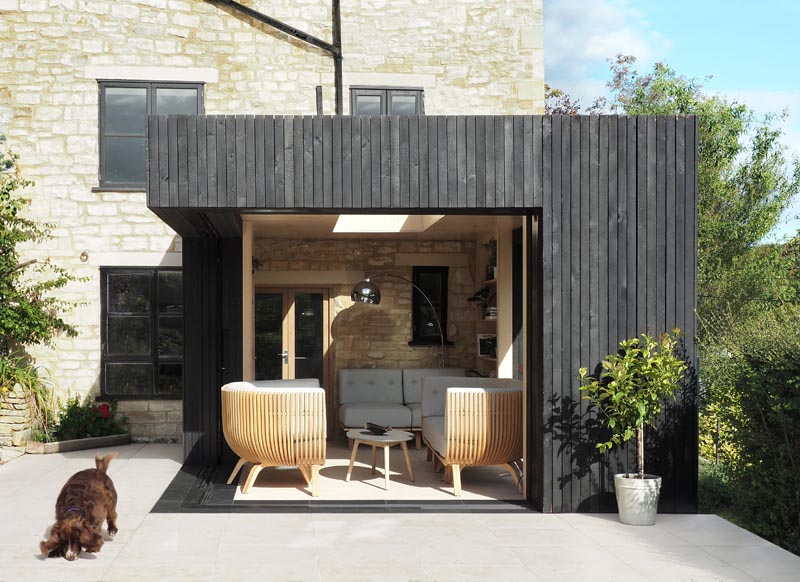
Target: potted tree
(629, 393)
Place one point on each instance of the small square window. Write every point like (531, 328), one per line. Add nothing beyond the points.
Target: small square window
(386, 101)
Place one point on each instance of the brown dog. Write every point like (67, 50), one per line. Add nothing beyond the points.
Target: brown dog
(86, 499)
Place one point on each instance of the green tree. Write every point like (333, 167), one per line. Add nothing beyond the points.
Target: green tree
(558, 102)
(29, 313)
(745, 181)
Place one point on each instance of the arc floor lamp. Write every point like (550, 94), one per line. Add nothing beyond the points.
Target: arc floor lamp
(368, 292)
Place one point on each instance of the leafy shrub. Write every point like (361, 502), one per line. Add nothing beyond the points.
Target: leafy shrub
(750, 374)
(77, 421)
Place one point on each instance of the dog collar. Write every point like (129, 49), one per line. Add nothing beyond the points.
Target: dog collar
(73, 509)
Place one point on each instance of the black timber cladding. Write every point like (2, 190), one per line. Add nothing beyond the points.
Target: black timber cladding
(614, 200)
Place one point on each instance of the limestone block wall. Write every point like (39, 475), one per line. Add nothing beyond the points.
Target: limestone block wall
(468, 55)
(15, 416)
(153, 420)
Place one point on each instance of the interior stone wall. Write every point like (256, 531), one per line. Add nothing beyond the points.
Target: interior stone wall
(377, 336)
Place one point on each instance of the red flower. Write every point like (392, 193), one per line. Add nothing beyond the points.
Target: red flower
(104, 410)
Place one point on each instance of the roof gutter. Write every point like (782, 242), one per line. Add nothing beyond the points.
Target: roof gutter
(333, 49)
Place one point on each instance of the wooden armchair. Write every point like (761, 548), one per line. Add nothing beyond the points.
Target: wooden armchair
(276, 423)
(473, 421)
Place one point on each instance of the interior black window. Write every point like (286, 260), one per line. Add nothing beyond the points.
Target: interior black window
(124, 107)
(433, 281)
(142, 333)
(386, 101)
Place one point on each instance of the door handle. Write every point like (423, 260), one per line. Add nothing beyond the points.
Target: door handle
(285, 356)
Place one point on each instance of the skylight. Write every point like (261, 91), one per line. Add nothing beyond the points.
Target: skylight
(388, 223)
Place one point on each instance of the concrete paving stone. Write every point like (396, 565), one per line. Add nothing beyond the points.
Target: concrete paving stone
(769, 563)
(494, 573)
(566, 564)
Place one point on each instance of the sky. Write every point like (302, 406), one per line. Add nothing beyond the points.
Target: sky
(750, 50)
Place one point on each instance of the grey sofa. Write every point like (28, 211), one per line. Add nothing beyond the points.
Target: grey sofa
(386, 396)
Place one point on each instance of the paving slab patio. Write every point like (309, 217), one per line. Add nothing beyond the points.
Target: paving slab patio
(358, 545)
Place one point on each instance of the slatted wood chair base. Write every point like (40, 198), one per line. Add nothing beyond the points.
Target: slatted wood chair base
(276, 427)
(309, 472)
(484, 428)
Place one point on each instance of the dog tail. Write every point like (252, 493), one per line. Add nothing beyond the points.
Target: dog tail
(102, 462)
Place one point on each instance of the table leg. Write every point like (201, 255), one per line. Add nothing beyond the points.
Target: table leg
(374, 453)
(408, 460)
(352, 460)
(386, 465)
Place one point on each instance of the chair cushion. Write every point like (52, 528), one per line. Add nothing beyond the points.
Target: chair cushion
(371, 385)
(356, 415)
(434, 390)
(412, 381)
(433, 431)
(299, 384)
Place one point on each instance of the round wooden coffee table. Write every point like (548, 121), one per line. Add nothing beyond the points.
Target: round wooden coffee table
(388, 440)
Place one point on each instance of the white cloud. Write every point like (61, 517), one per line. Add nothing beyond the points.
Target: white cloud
(580, 35)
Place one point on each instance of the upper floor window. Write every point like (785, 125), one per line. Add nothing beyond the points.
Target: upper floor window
(386, 101)
(124, 107)
(142, 332)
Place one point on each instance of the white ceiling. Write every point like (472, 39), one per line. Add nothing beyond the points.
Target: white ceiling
(320, 226)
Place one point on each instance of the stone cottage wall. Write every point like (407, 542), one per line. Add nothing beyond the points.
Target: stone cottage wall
(468, 55)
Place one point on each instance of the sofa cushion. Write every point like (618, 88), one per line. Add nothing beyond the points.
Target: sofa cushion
(416, 414)
(371, 385)
(434, 390)
(412, 381)
(356, 415)
(435, 435)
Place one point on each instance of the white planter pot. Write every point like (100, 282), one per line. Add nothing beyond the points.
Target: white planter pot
(637, 499)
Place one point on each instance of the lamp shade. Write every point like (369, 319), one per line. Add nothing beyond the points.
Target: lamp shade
(366, 292)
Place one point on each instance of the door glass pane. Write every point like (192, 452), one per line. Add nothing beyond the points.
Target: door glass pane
(368, 105)
(176, 101)
(128, 336)
(126, 110)
(308, 322)
(129, 293)
(170, 336)
(170, 379)
(269, 336)
(129, 379)
(170, 292)
(125, 160)
(403, 105)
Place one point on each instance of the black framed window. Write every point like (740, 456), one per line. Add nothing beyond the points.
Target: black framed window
(124, 107)
(141, 333)
(433, 282)
(386, 101)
